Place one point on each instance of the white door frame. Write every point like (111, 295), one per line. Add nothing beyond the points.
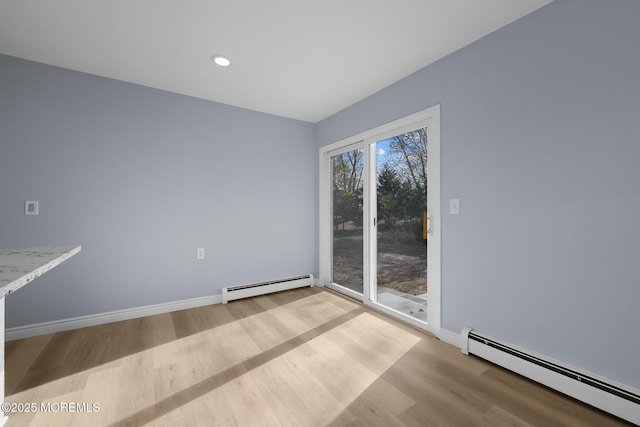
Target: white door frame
(429, 118)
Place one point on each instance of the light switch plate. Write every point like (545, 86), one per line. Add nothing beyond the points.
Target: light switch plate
(454, 206)
(200, 253)
(31, 207)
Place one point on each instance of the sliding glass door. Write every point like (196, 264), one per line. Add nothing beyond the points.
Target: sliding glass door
(347, 175)
(379, 218)
(401, 241)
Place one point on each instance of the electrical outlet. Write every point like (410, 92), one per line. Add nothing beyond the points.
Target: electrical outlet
(200, 253)
(31, 207)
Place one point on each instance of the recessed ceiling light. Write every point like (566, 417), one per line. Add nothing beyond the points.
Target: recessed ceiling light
(221, 60)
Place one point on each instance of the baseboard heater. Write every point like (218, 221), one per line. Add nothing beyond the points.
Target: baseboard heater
(245, 291)
(613, 398)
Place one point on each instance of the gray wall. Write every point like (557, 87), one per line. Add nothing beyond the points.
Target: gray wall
(540, 143)
(141, 178)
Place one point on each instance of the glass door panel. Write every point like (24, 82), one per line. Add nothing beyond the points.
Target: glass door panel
(347, 170)
(401, 256)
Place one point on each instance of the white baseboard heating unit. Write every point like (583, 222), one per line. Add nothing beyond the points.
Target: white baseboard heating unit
(245, 291)
(616, 399)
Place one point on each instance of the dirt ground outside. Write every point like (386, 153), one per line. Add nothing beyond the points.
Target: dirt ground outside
(402, 261)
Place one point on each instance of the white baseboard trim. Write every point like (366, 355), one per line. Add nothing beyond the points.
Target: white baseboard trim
(450, 337)
(108, 317)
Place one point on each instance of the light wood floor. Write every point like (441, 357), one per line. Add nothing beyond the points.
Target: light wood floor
(305, 357)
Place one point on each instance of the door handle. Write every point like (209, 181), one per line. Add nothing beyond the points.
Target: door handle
(427, 221)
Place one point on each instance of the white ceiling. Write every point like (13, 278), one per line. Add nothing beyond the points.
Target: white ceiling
(301, 59)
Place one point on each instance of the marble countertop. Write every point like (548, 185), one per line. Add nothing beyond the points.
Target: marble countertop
(20, 266)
